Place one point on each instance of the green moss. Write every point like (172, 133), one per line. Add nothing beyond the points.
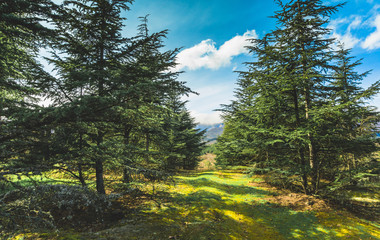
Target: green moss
(223, 205)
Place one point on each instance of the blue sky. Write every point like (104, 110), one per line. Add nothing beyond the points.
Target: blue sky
(213, 33)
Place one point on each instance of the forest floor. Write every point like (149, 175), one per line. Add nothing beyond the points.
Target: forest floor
(225, 204)
(230, 205)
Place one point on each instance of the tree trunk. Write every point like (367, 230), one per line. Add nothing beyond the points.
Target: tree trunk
(312, 150)
(99, 177)
(46, 150)
(80, 176)
(99, 168)
(304, 174)
(300, 147)
(80, 171)
(126, 174)
(98, 162)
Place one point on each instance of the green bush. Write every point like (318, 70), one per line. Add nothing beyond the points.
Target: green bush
(54, 206)
(209, 149)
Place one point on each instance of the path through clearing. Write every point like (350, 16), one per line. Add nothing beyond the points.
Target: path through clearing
(226, 205)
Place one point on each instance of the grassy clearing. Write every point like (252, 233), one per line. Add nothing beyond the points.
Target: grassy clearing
(53, 177)
(224, 205)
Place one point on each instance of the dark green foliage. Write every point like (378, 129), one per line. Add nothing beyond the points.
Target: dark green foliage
(110, 89)
(209, 149)
(22, 84)
(150, 81)
(180, 142)
(109, 108)
(21, 34)
(93, 51)
(299, 109)
(48, 207)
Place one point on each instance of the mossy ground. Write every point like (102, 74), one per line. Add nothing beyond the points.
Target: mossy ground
(53, 177)
(223, 205)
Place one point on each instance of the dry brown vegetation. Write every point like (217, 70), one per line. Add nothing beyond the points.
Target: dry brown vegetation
(207, 162)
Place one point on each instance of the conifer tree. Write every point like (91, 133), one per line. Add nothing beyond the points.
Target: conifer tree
(252, 119)
(107, 84)
(283, 114)
(355, 121)
(307, 49)
(147, 78)
(90, 51)
(180, 142)
(22, 78)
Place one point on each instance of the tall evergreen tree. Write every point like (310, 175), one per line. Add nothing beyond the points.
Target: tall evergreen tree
(22, 78)
(107, 84)
(181, 143)
(283, 103)
(355, 121)
(307, 49)
(90, 53)
(146, 79)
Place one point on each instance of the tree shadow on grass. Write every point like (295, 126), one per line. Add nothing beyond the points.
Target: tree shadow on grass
(208, 207)
(229, 189)
(258, 220)
(220, 174)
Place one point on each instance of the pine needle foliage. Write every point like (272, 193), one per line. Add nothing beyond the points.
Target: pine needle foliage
(299, 107)
(109, 94)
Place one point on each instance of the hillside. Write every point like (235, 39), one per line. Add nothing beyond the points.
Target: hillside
(213, 131)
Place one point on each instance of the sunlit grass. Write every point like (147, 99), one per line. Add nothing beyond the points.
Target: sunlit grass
(222, 205)
(26, 181)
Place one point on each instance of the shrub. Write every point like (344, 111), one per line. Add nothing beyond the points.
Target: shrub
(283, 179)
(53, 206)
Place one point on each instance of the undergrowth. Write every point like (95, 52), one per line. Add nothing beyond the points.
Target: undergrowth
(213, 205)
(223, 205)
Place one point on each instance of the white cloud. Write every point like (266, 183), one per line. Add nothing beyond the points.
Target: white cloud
(346, 30)
(211, 97)
(206, 118)
(356, 23)
(347, 39)
(210, 91)
(373, 40)
(376, 101)
(206, 55)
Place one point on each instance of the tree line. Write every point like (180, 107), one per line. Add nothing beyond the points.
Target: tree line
(300, 110)
(115, 102)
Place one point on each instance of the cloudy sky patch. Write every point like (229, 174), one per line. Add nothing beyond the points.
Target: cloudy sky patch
(206, 55)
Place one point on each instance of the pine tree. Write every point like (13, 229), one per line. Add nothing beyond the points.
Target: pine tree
(307, 49)
(180, 142)
(22, 78)
(90, 53)
(355, 121)
(107, 86)
(21, 36)
(252, 119)
(146, 79)
(283, 114)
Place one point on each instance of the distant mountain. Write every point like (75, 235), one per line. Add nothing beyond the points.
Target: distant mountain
(212, 131)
